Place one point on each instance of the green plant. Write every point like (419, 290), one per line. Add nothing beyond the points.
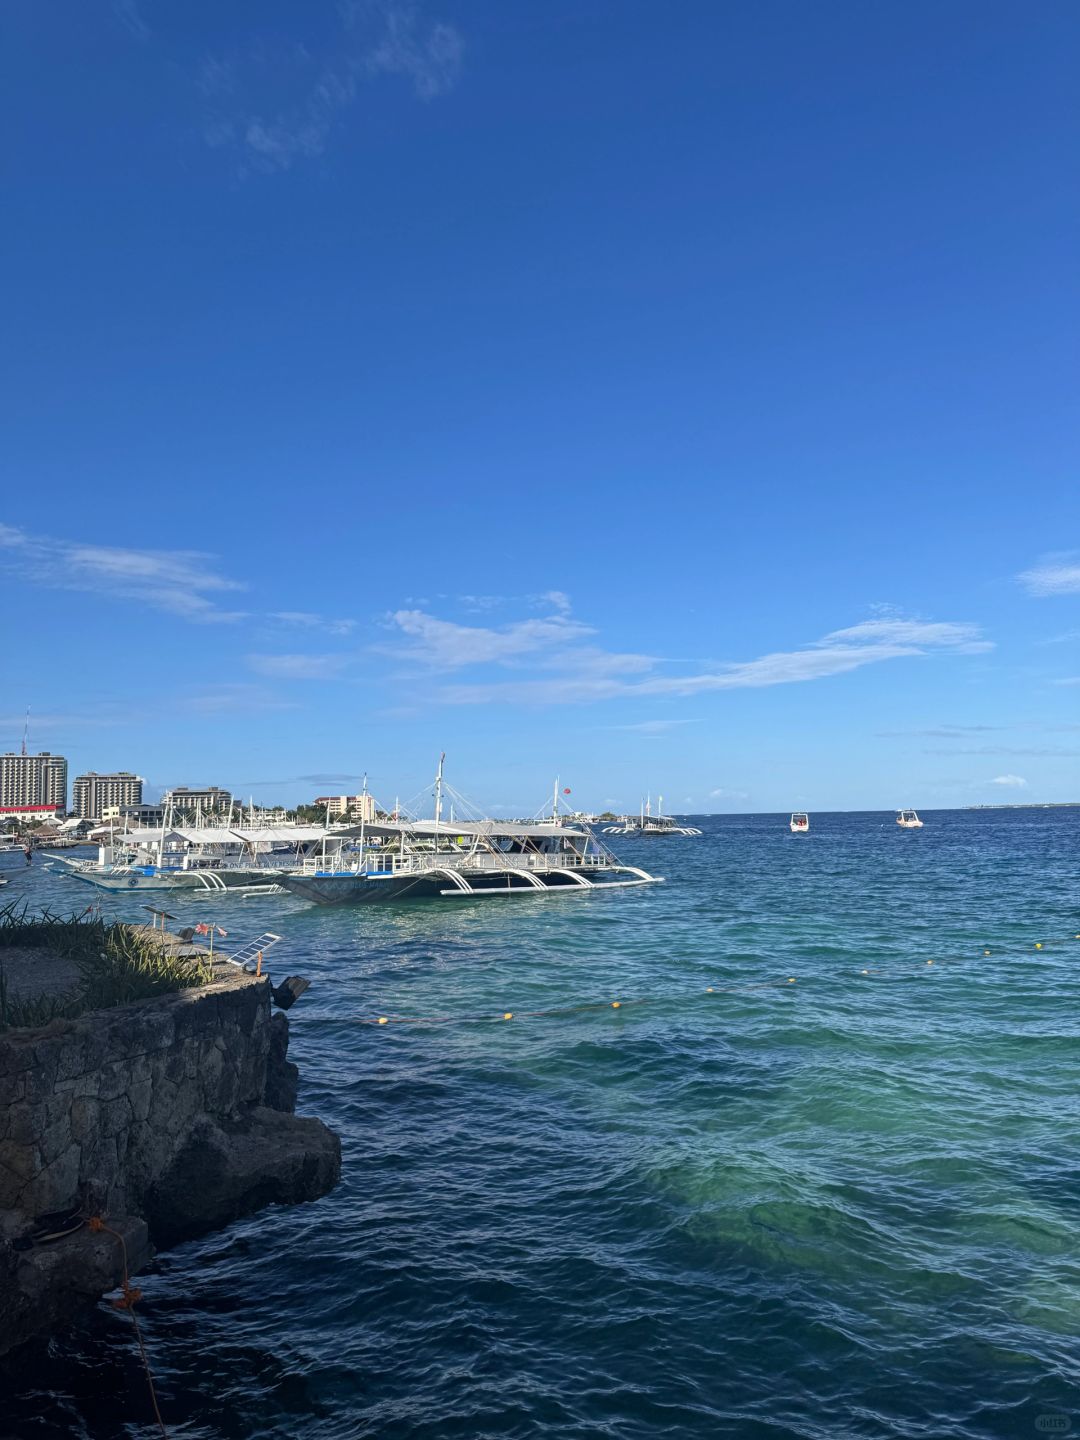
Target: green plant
(116, 963)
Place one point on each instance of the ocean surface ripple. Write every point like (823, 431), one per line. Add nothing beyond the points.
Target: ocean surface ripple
(844, 1206)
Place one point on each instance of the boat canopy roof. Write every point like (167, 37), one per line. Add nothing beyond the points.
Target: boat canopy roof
(479, 829)
(222, 835)
(306, 834)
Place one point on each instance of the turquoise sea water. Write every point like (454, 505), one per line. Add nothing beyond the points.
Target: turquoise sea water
(847, 1206)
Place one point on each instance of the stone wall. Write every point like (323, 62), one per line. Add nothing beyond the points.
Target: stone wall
(169, 1117)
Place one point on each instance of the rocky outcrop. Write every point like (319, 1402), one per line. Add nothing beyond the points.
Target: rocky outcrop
(230, 1169)
(169, 1117)
(42, 1288)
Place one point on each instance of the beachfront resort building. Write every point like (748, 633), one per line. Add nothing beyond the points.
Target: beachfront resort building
(33, 787)
(92, 794)
(357, 807)
(209, 800)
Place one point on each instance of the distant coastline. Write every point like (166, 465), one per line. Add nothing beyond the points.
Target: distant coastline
(1030, 805)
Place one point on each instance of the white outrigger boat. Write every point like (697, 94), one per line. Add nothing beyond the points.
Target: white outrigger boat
(404, 859)
(908, 820)
(800, 823)
(646, 823)
(216, 858)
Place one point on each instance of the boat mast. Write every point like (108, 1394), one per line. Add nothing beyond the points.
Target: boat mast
(438, 799)
(363, 817)
(166, 817)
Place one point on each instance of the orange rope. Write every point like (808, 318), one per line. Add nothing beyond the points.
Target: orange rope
(130, 1294)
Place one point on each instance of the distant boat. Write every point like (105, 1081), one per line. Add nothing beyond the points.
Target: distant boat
(800, 823)
(200, 857)
(648, 823)
(908, 819)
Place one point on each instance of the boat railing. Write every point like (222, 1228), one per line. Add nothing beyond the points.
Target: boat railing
(376, 864)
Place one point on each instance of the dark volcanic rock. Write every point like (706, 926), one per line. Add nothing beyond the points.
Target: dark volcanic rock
(43, 1287)
(225, 1171)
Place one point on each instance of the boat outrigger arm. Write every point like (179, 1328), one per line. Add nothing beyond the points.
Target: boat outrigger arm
(527, 880)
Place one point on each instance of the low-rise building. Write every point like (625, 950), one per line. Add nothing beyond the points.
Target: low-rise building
(268, 814)
(133, 816)
(207, 800)
(92, 793)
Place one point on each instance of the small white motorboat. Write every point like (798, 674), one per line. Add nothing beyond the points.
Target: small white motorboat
(908, 820)
(800, 823)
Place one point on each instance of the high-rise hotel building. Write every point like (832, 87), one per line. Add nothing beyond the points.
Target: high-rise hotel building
(33, 785)
(92, 794)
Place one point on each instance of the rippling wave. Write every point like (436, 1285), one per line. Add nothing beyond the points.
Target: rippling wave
(846, 1206)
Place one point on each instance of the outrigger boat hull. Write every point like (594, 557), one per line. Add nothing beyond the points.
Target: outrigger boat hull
(344, 888)
(149, 877)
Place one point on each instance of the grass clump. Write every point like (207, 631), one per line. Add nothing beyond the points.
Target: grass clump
(116, 964)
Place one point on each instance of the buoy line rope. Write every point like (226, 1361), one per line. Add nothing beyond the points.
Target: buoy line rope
(901, 969)
(126, 1301)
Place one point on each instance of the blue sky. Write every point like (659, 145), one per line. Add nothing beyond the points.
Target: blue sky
(678, 398)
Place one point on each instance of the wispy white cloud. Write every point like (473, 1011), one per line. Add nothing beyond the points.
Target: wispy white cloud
(429, 53)
(1056, 752)
(275, 103)
(1068, 680)
(557, 599)
(183, 582)
(652, 729)
(335, 777)
(1013, 782)
(478, 602)
(446, 645)
(233, 698)
(299, 667)
(94, 715)
(131, 17)
(307, 620)
(579, 671)
(942, 732)
(1053, 575)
